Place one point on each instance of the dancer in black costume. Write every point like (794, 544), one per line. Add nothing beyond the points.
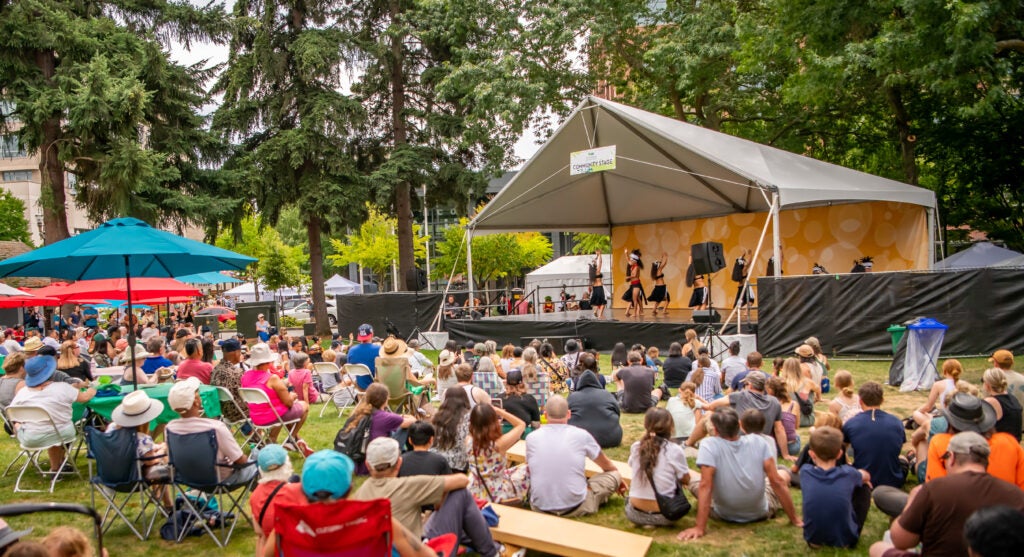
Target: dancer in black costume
(635, 293)
(660, 292)
(597, 298)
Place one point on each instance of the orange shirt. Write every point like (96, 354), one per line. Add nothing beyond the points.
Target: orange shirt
(1006, 461)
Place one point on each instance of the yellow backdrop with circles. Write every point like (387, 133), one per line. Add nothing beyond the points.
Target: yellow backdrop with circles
(895, 235)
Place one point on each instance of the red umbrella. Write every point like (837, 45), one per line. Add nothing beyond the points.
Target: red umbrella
(27, 301)
(144, 288)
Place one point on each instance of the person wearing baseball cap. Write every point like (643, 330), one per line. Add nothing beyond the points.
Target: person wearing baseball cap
(458, 514)
(275, 474)
(57, 397)
(9, 536)
(184, 398)
(936, 515)
(365, 353)
(753, 396)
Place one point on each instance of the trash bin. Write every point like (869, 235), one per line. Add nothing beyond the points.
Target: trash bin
(309, 329)
(897, 332)
(210, 321)
(247, 313)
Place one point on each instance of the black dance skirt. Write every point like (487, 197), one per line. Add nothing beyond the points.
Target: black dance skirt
(659, 294)
(699, 296)
(597, 297)
(628, 295)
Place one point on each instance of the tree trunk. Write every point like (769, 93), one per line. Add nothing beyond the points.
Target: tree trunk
(403, 192)
(55, 216)
(908, 147)
(316, 274)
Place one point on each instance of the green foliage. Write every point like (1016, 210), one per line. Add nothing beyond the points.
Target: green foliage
(278, 265)
(96, 95)
(229, 325)
(290, 322)
(590, 243)
(374, 245)
(495, 256)
(13, 225)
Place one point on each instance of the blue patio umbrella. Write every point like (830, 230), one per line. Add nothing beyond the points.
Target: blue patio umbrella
(124, 247)
(207, 278)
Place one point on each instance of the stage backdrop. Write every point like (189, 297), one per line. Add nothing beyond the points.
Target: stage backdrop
(894, 234)
(407, 310)
(850, 313)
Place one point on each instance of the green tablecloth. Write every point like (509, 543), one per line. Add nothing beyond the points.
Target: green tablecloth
(105, 406)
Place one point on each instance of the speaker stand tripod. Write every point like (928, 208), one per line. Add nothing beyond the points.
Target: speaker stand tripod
(711, 333)
(416, 320)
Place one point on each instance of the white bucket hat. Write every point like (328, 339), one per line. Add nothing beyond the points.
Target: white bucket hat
(136, 409)
(260, 354)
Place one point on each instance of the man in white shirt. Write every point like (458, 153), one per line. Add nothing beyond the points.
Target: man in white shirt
(51, 339)
(10, 344)
(419, 363)
(734, 364)
(185, 400)
(557, 454)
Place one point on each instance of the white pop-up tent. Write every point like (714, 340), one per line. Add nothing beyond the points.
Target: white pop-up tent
(569, 271)
(981, 254)
(246, 292)
(341, 286)
(663, 170)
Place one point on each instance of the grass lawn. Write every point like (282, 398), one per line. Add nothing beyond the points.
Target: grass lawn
(774, 537)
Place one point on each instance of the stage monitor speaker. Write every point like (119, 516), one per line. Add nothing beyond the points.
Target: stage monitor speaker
(708, 257)
(706, 316)
(416, 279)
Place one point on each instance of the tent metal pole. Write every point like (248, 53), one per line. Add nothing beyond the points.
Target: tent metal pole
(753, 258)
(469, 266)
(932, 227)
(776, 239)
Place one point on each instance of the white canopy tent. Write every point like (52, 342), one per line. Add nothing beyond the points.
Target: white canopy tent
(667, 170)
(246, 292)
(341, 286)
(981, 254)
(570, 271)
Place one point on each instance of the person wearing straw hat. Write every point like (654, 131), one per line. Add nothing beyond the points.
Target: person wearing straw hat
(393, 351)
(445, 376)
(286, 404)
(57, 398)
(136, 411)
(140, 356)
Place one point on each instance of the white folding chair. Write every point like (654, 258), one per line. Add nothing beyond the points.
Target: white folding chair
(333, 390)
(37, 414)
(257, 396)
(224, 394)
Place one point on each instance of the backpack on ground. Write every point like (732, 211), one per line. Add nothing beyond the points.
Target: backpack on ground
(353, 442)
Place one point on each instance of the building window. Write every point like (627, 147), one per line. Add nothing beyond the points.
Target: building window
(6, 108)
(10, 147)
(17, 175)
(72, 181)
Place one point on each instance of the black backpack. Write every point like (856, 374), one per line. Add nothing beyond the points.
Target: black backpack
(353, 442)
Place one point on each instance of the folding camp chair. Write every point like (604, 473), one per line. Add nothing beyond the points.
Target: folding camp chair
(336, 528)
(226, 399)
(119, 473)
(31, 454)
(193, 459)
(19, 509)
(257, 396)
(334, 391)
(392, 373)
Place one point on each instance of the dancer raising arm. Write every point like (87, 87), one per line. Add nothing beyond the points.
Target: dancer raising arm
(660, 293)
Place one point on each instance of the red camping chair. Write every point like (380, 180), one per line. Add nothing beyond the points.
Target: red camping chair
(343, 528)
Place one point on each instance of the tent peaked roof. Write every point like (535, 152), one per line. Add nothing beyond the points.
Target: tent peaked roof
(667, 170)
(981, 254)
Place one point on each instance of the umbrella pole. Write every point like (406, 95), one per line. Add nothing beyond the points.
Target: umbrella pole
(131, 326)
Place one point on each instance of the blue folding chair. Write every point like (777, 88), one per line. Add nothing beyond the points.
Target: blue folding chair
(119, 479)
(193, 459)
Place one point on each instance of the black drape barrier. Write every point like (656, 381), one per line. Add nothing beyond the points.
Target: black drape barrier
(406, 310)
(983, 308)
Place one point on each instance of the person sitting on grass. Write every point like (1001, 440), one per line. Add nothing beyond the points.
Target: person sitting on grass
(518, 402)
(937, 511)
(636, 383)
(836, 497)
(752, 423)
(420, 461)
(752, 397)
(654, 456)
(846, 404)
(593, 408)
(708, 379)
(456, 511)
(383, 422)
(687, 411)
(490, 476)
(739, 480)
(754, 363)
(451, 428)
(557, 454)
(877, 438)
(327, 477)
(1008, 408)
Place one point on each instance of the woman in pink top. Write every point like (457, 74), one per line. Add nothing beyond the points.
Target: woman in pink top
(285, 404)
(301, 379)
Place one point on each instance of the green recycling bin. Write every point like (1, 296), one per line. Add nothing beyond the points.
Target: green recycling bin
(897, 332)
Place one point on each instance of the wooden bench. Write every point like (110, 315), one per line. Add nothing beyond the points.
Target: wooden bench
(521, 528)
(517, 454)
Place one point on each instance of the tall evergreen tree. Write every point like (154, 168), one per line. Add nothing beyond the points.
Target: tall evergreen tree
(284, 108)
(96, 95)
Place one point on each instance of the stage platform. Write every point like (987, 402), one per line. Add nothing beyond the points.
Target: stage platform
(602, 334)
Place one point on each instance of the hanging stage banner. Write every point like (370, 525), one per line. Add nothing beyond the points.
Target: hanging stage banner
(592, 160)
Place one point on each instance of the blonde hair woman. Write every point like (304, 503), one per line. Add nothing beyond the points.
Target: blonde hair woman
(693, 344)
(846, 404)
(72, 363)
(1008, 409)
(686, 409)
(951, 371)
(538, 382)
(803, 389)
